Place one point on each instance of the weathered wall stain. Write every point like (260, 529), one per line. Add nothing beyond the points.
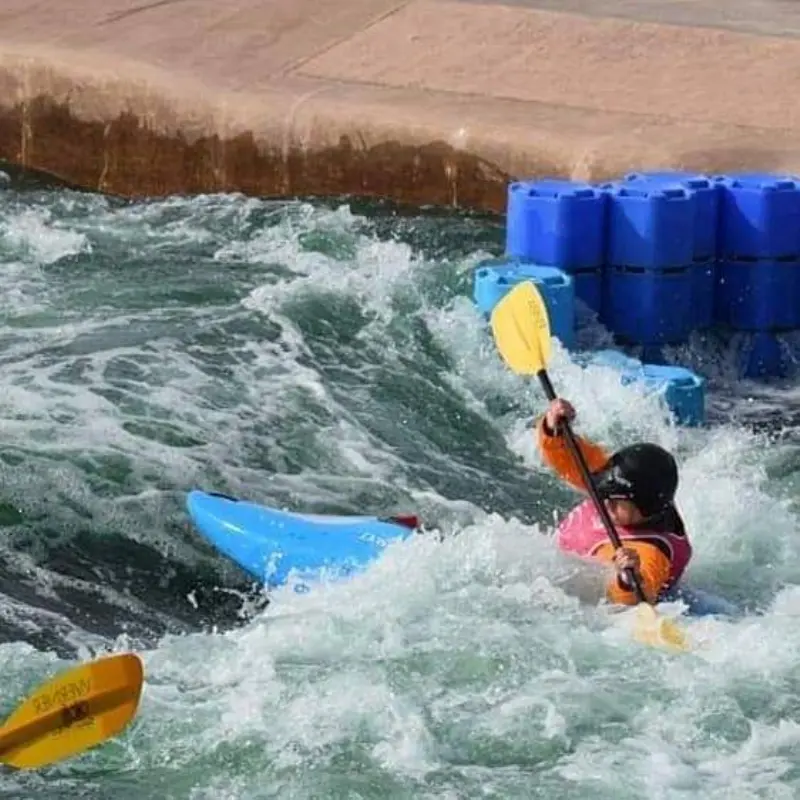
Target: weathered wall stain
(124, 156)
(128, 157)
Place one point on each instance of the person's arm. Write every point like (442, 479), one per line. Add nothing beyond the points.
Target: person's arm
(557, 455)
(654, 572)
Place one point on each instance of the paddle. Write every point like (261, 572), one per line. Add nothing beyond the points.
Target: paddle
(74, 711)
(521, 330)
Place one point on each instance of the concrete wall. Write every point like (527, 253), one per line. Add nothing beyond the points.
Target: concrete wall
(431, 101)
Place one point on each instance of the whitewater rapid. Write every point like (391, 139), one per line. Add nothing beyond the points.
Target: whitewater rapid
(323, 358)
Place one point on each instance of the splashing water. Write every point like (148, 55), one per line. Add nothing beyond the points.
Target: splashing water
(312, 357)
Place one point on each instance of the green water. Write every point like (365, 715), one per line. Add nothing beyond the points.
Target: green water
(327, 357)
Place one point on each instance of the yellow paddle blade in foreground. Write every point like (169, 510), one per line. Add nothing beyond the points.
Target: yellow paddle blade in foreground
(74, 711)
(658, 631)
(521, 329)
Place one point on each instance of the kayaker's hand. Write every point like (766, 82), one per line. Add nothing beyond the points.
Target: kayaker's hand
(558, 411)
(625, 559)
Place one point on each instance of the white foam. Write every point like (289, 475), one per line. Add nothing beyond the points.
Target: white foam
(480, 664)
(38, 239)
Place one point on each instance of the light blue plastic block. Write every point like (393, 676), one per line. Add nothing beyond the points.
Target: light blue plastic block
(494, 279)
(682, 389)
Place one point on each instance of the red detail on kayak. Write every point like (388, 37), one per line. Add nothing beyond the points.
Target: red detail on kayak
(407, 520)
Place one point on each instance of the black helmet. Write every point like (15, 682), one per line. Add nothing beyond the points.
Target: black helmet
(644, 473)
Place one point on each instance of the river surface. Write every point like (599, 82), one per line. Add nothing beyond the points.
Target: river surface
(327, 357)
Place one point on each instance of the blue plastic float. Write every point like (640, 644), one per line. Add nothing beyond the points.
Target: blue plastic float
(681, 389)
(494, 279)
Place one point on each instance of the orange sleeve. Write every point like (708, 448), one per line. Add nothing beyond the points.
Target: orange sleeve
(654, 571)
(557, 456)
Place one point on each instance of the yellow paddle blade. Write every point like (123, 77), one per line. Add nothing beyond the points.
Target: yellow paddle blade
(521, 329)
(657, 631)
(72, 712)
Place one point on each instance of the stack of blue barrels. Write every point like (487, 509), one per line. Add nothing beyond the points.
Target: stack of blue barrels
(657, 256)
(698, 224)
(660, 259)
(758, 289)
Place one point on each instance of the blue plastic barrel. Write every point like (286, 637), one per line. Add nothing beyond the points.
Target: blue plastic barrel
(493, 279)
(704, 294)
(649, 307)
(759, 217)
(650, 226)
(705, 192)
(556, 223)
(763, 355)
(589, 287)
(759, 295)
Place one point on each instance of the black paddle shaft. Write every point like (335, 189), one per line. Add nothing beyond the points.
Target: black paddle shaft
(588, 480)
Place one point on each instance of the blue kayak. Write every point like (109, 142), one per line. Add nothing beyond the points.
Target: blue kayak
(275, 546)
(272, 545)
(700, 603)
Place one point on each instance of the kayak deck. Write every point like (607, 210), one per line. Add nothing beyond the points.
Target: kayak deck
(271, 544)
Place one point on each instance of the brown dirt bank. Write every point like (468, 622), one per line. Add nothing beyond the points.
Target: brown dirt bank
(428, 102)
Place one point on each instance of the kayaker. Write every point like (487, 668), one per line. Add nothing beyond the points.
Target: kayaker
(638, 485)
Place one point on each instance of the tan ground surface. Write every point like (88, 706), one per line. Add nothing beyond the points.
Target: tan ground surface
(428, 101)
